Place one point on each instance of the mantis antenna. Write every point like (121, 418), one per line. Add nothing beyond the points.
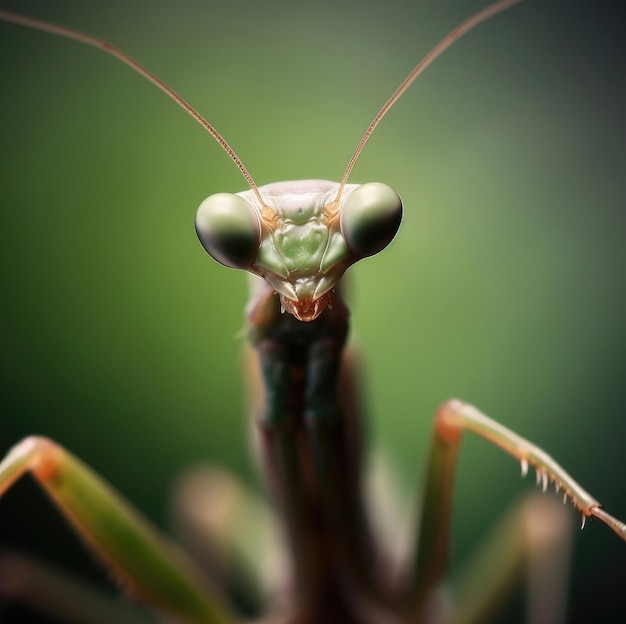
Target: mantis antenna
(458, 32)
(68, 33)
(445, 43)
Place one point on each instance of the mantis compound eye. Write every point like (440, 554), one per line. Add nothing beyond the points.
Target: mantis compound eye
(370, 218)
(229, 229)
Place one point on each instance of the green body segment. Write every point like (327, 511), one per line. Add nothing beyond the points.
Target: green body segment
(302, 244)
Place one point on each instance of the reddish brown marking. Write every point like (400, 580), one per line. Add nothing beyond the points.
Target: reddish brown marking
(47, 458)
(307, 310)
(446, 423)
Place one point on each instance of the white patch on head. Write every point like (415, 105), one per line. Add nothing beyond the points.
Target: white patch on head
(298, 200)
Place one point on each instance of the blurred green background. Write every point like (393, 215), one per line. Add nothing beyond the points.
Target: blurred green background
(120, 337)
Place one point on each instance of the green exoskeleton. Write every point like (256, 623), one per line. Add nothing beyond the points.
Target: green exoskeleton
(297, 239)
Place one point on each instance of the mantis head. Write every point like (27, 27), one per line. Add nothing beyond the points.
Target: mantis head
(301, 237)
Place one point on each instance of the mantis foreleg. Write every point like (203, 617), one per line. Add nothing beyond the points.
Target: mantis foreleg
(452, 418)
(146, 563)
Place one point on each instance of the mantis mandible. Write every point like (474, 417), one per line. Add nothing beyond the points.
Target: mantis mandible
(328, 463)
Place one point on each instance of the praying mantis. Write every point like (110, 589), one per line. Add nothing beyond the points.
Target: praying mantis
(377, 176)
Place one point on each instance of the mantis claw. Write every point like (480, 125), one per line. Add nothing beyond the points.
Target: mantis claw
(524, 463)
